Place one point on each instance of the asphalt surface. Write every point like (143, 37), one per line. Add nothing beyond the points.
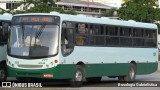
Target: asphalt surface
(105, 84)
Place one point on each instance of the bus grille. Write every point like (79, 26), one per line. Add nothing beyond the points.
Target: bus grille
(30, 66)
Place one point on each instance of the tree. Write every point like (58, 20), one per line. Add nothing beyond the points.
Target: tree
(73, 12)
(2, 11)
(41, 8)
(139, 10)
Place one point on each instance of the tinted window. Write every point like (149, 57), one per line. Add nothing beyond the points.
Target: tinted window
(113, 31)
(82, 32)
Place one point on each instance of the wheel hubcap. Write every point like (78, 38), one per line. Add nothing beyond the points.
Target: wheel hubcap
(78, 76)
(132, 73)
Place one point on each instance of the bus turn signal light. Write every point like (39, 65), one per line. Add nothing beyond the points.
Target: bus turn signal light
(48, 75)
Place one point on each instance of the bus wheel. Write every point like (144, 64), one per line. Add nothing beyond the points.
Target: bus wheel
(78, 77)
(3, 73)
(94, 79)
(131, 73)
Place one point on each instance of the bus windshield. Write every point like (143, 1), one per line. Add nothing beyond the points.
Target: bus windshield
(33, 40)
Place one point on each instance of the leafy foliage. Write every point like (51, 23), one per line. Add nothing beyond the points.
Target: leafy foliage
(73, 12)
(2, 11)
(139, 10)
(41, 8)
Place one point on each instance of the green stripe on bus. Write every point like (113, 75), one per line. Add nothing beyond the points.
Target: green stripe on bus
(146, 68)
(66, 71)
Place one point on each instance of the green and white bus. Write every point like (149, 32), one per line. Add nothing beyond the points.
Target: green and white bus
(78, 48)
(5, 23)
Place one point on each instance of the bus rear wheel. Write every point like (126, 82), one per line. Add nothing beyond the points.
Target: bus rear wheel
(131, 74)
(3, 73)
(78, 78)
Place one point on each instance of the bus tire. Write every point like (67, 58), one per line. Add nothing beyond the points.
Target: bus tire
(130, 77)
(78, 78)
(94, 79)
(3, 72)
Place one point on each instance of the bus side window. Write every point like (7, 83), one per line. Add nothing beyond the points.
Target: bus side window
(67, 38)
(81, 31)
(154, 38)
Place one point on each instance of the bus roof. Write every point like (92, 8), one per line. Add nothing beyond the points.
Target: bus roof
(103, 20)
(6, 16)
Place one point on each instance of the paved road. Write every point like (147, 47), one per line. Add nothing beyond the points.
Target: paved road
(106, 83)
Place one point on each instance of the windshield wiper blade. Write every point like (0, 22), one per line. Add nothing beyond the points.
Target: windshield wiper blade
(23, 29)
(40, 30)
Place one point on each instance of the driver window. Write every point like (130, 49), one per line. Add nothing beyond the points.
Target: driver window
(67, 38)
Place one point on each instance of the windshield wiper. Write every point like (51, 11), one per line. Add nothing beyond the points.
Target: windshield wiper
(23, 29)
(38, 34)
(40, 30)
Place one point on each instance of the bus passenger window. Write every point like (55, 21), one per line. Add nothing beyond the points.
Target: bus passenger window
(106, 30)
(125, 31)
(113, 31)
(148, 33)
(81, 34)
(154, 38)
(138, 32)
(82, 29)
(81, 40)
(96, 30)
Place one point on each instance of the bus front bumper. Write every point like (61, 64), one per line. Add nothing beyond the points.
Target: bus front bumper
(58, 72)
